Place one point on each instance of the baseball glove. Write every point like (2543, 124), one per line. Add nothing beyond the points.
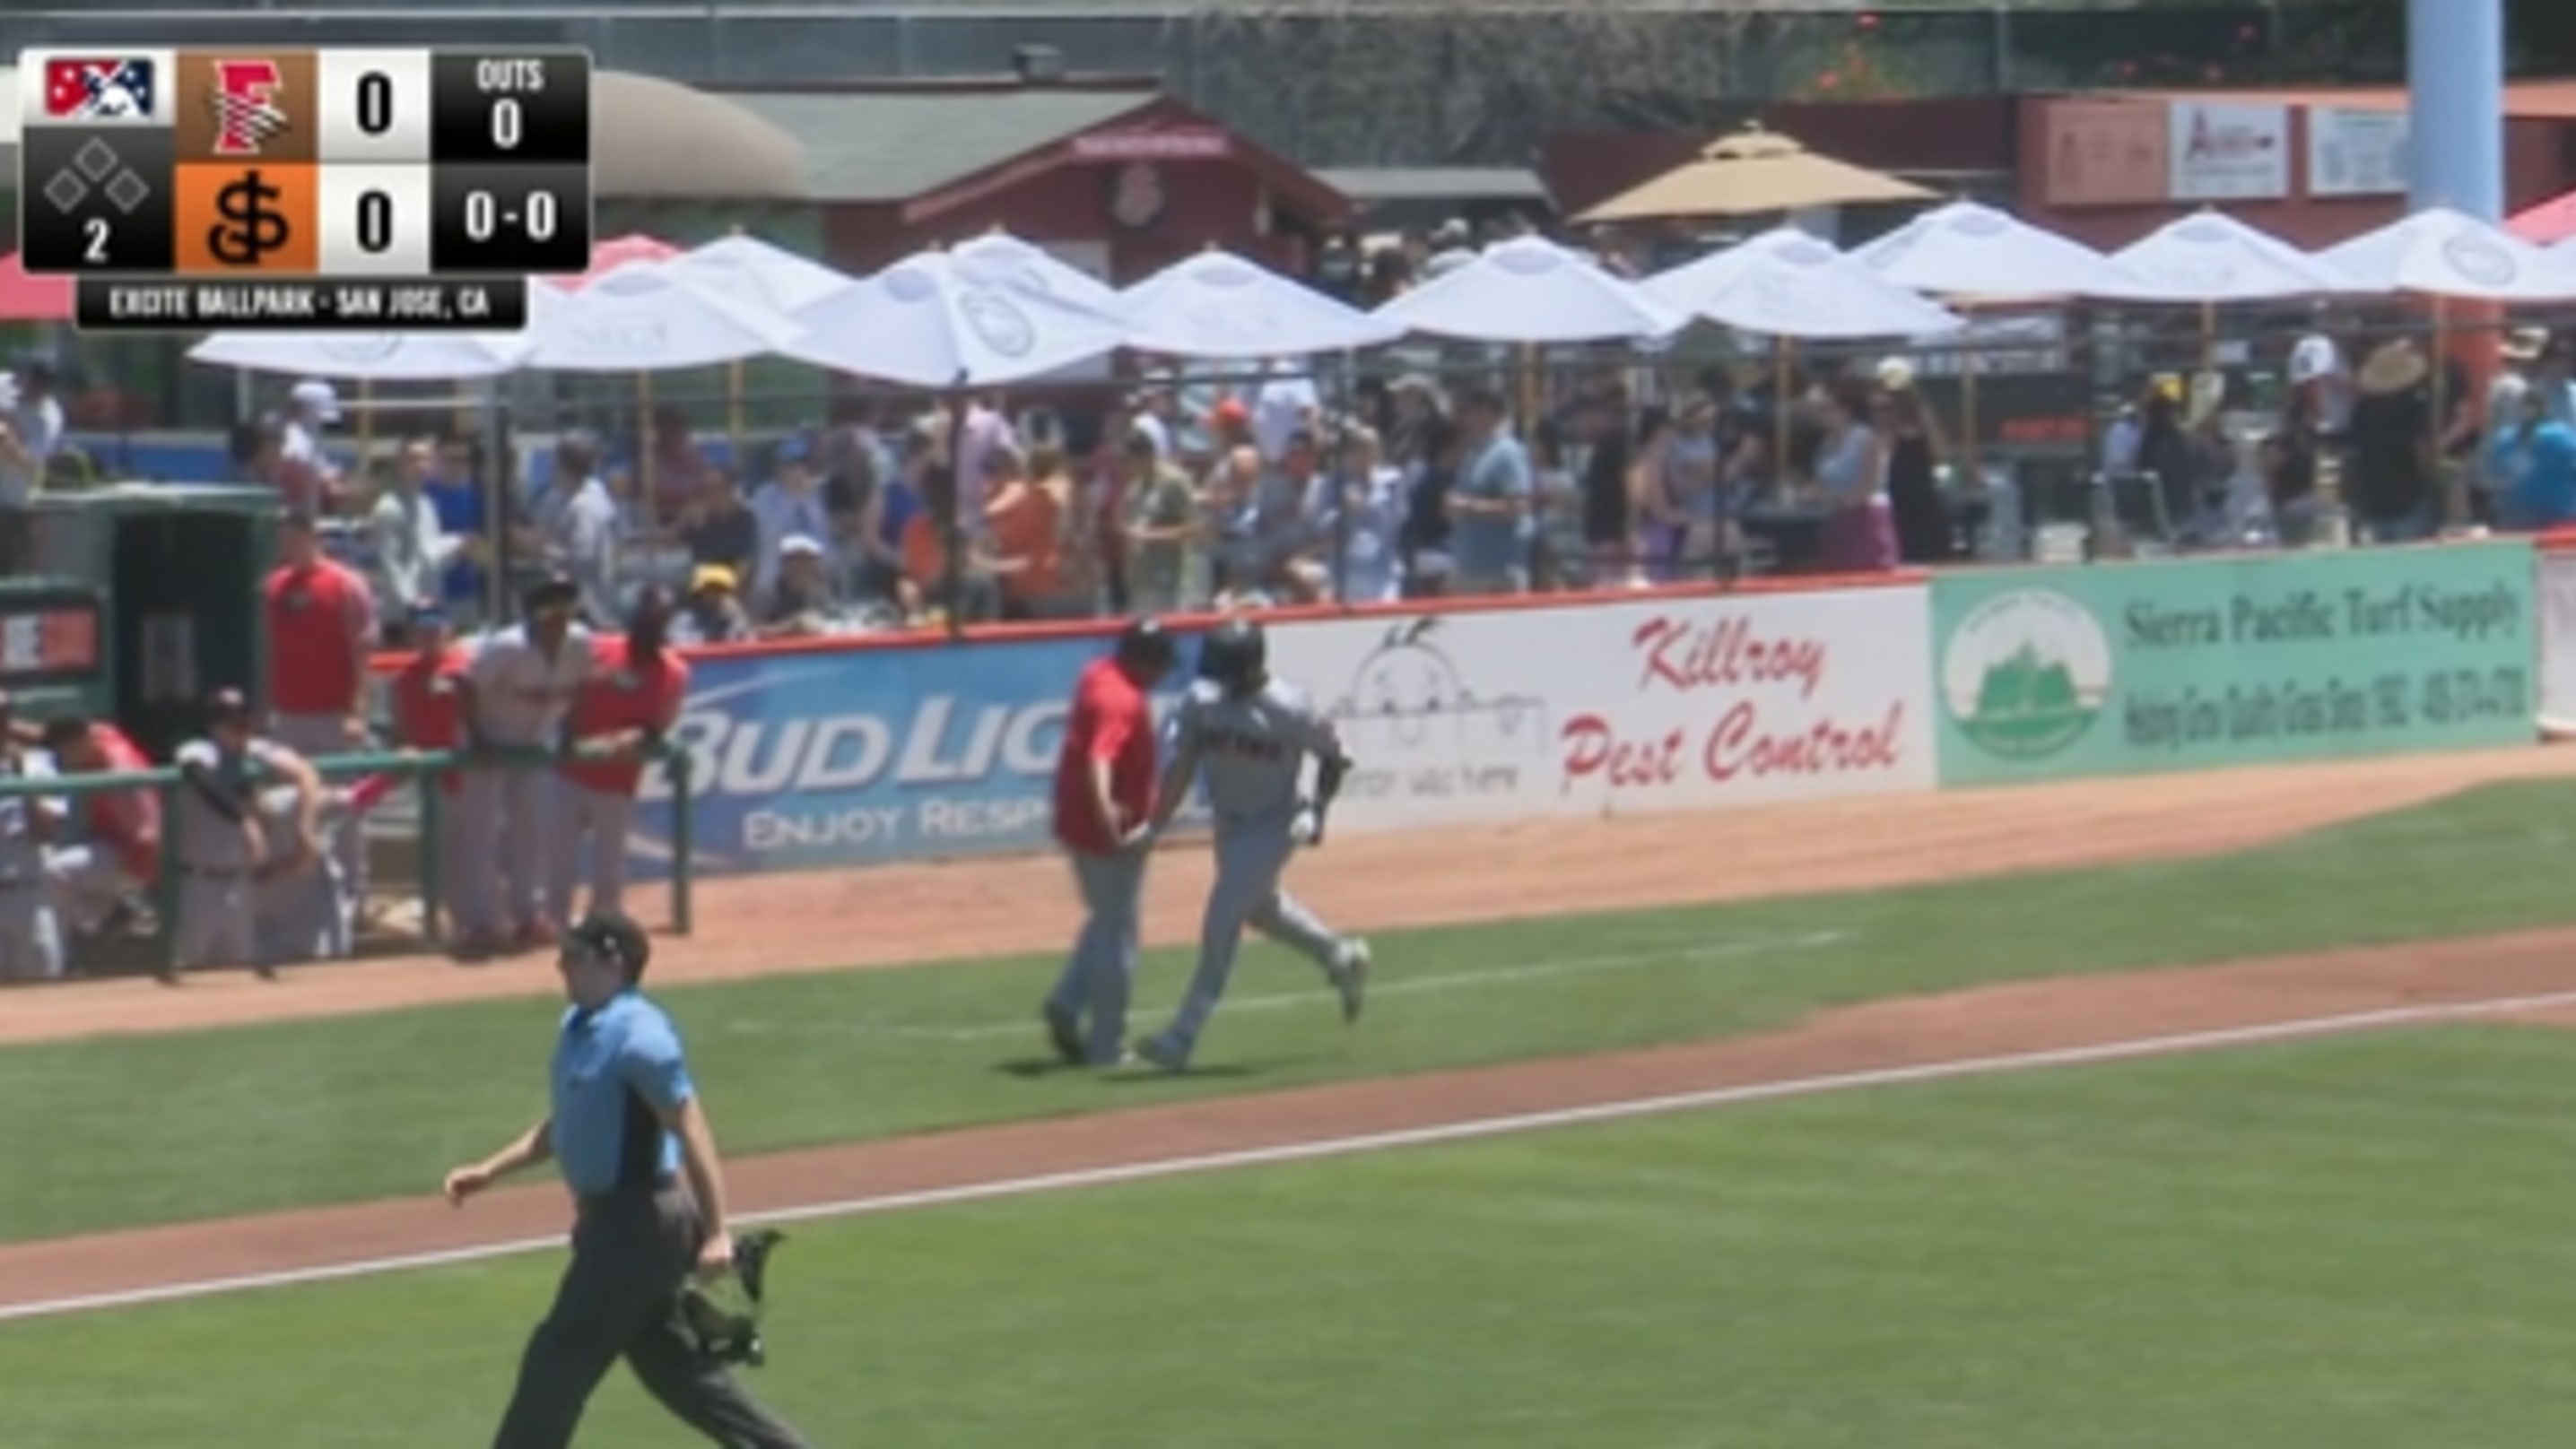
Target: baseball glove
(723, 1314)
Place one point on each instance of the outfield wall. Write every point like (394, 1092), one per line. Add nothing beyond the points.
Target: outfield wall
(860, 752)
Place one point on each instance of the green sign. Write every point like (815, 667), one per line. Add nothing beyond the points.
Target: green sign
(2060, 673)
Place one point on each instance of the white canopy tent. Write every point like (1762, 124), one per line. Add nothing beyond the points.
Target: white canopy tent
(1530, 290)
(930, 321)
(1215, 306)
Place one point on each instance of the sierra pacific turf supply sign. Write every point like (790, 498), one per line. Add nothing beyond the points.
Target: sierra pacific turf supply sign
(2059, 673)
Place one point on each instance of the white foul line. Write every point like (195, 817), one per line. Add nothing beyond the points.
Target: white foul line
(1466, 1130)
(1678, 953)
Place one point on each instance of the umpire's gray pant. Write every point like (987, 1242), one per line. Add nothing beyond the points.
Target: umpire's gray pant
(632, 1252)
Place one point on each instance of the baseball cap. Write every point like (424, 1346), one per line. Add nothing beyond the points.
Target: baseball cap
(800, 545)
(615, 935)
(319, 398)
(713, 576)
(792, 449)
(227, 706)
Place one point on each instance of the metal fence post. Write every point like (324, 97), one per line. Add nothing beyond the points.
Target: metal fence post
(166, 889)
(432, 854)
(683, 842)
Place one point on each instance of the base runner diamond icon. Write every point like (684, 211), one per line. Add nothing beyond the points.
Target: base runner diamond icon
(129, 191)
(66, 190)
(95, 160)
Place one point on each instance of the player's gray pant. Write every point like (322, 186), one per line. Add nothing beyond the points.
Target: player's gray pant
(216, 924)
(88, 881)
(301, 915)
(1100, 975)
(1251, 853)
(315, 736)
(601, 819)
(501, 828)
(31, 942)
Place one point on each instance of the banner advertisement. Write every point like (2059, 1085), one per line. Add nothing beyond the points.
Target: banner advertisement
(2558, 644)
(2228, 151)
(2356, 153)
(868, 756)
(2062, 673)
(1621, 708)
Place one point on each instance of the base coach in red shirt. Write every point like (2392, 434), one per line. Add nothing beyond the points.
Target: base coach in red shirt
(321, 620)
(1104, 794)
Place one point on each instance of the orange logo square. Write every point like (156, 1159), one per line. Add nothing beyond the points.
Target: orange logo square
(236, 220)
(246, 105)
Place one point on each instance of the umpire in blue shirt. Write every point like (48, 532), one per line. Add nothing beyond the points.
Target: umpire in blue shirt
(635, 1148)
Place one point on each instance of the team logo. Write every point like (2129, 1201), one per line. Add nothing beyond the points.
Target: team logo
(101, 89)
(246, 110)
(2026, 674)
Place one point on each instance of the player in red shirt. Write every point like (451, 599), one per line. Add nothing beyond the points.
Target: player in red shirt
(1104, 794)
(321, 625)
(117, 853)
(429, 718)
(630, 701)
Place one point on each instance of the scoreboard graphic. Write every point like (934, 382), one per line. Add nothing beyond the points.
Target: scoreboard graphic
(372, 190)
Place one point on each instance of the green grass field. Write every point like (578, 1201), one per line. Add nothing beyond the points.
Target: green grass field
(2343, 1244)
(216, 1123)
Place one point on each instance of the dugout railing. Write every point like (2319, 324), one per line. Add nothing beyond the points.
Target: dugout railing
(412, 767)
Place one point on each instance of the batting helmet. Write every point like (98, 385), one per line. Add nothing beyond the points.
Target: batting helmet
(1235, 655)
(1146, 648)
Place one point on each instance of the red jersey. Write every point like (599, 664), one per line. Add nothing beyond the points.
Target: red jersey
(319, 623)
(622, 695)
(127, 821)
(429, 706)
(1112, 721)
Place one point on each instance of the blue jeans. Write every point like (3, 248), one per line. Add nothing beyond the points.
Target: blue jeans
(1100, 974)
(2413, 526)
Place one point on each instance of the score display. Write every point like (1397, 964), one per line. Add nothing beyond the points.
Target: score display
(363, 189)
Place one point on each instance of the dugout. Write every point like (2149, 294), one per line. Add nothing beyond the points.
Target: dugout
(175, 573)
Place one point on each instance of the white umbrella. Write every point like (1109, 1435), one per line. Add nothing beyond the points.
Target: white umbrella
(2444, 253)
(1968, 250)
(931, 321)
(1785, 283)
(1217, 306)
(367, 356)
(748, 270)
(642, 317)
(1531, 290)
(2211, 258)
(1001, 259)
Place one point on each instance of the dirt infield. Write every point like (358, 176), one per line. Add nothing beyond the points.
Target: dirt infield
(915, 913)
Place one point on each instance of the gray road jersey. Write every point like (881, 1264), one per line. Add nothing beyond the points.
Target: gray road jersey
(208, 841)
(1252, 748)
(521, 696)
(22, 856)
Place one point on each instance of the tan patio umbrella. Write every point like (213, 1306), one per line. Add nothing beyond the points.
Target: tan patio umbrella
(1752, 173)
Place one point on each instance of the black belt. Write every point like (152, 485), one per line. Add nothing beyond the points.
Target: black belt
(641, 1192)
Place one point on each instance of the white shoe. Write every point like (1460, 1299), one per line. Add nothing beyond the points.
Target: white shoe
(1350, 977)
(1154, 1053)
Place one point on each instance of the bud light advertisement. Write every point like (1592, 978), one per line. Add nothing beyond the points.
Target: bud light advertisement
(868, 756)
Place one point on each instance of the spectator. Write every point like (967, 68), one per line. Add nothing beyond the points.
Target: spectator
(856, 467)
(1160, 527)
(1609, 508)
(314, 479)
(2394, 452)
(1283, 406)
(1916, 449)
(1027, 526)
(31, 943)
(429, 718)
(1154, 410)
(455, 493)
(789, 506)
(1229, 510)
(719, 530)
(412, 550)
(712, 613)
(1562, 558)
(321, 625)
(1426, 447)
(112, 859)
(1851, 469)
(966, 594)
(2537, 454)
(578, 527)
(981, 429)
(2290, 458)
(800, 602)
(31, 433)
(2551, 378)
(1491, 503)
(1288, 501)
(2317, 369)
(678, 467)
(1360, 521)
(1079, 574)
